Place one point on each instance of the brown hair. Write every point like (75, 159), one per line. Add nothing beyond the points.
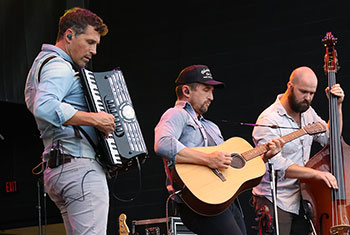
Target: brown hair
(78, 19)
(178, 89)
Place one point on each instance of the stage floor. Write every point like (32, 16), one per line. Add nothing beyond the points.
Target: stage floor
(52, 229)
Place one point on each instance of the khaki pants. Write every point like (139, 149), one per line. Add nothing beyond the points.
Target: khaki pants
(79, 189)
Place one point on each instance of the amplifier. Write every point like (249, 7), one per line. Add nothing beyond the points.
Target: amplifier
(159, 227)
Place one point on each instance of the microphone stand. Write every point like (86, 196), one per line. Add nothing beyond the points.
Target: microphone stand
(273, 184)
(39, 205)
(269, 126)
(41, 189)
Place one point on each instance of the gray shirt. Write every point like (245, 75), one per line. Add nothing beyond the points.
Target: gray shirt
(179, 127)
(294, 152)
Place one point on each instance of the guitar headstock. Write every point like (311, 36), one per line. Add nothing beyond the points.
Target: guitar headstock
(123, 227)
(330, 58)
(315, 128)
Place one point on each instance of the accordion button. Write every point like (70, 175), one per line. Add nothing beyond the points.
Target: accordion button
(119, 134)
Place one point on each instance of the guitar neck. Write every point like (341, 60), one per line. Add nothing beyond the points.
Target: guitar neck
(259, 150)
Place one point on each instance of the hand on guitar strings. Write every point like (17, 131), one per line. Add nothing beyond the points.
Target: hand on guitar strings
(273, 147)
(219, 160)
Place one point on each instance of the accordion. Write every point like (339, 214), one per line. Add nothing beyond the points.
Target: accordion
(107, 92)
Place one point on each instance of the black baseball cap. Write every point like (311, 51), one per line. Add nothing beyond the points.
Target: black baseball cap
(197, 73)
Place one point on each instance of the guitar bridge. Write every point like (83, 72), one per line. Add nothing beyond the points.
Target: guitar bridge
(218, 173)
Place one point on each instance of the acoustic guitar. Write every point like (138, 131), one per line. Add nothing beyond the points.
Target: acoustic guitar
(210, 191)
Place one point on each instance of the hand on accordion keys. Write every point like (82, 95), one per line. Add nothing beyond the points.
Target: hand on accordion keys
(104, 122)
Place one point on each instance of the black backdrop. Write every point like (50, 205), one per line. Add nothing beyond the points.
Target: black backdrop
(250, 45)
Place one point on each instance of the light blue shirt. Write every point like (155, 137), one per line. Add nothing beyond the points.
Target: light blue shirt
(294, 152)
(179, 128)
(56, 99)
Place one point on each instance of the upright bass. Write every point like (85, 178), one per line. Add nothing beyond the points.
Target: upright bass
(330, 207)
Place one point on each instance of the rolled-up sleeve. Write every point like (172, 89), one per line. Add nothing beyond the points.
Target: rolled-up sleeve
(56, 81)
(167, 132)
(68, 111)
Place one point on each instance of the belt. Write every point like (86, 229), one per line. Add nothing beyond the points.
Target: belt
(59, 159)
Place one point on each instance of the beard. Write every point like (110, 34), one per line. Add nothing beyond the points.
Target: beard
(204, 107)
(298, 107)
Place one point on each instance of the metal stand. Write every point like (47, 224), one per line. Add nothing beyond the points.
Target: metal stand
(39, 205)
(308, 216)
(39, 185)
(273, 184)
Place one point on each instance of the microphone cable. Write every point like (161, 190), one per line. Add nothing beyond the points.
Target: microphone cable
(139, 189)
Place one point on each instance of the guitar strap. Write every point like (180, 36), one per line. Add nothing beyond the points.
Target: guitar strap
(170, 182)
(208, 140)
(211, 141)
(201, 128)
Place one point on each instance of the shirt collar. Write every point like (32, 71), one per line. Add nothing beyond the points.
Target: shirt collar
(57, 50)
(188, 107)
(279, 107)
(281, 110)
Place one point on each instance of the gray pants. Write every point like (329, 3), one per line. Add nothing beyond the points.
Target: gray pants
(79, 189)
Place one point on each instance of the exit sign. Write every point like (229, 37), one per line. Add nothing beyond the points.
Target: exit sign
(9, 187)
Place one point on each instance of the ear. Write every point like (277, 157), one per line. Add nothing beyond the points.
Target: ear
(68, 35)
(186, 90)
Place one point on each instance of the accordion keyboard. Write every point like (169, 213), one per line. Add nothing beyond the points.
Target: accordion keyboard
(107, 92)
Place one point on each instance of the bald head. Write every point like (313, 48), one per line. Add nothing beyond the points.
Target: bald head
(303, 76)
(301, 88)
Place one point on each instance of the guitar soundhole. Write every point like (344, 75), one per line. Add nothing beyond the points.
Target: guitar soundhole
(237, 161)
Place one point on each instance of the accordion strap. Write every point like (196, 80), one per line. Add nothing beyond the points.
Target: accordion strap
(42, 65)
(74, 66)
(78, 129)
(109, 171)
